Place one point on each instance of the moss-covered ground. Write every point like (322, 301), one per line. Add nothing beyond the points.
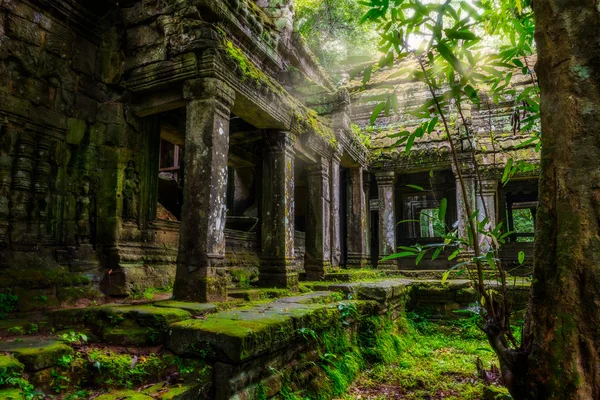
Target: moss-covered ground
(434, 360)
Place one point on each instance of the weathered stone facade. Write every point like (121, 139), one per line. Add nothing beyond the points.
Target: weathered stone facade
(489, 134)
(274, 185)
(89, 93)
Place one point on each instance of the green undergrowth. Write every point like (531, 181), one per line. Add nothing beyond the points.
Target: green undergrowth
(96, 370)
(429, 361)
(342, 354)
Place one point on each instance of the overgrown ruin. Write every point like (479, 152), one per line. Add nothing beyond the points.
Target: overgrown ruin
(199, 146)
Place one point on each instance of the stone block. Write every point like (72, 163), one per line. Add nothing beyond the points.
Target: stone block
(36, 353)
(196, 309)
(141, 36)
(85, 107)
(61, 46)
(110, 113)
(24, 30)
(84, 56)
(110, 69)
(36, 299)
(231, 340)
(75, 130)
(132, 336)
(124, 395)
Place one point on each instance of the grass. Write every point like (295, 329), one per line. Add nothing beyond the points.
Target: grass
(434, 361)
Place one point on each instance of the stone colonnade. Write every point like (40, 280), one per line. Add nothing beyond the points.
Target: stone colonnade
(201, 274)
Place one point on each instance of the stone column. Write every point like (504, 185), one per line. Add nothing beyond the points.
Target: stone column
(318, 218)
(367, 190)
(387, 218)
(277, 232)
(486, 195)
(461, 207)
(357, 219)
(201, 256)
(336, 229)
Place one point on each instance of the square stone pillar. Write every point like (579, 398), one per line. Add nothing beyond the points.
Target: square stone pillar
(462, 213)
(277, 230)
(487, 192)
(201, 255)
(357, 219)
(318, 218)
(336, 228)
(367, 190)
(387, 218)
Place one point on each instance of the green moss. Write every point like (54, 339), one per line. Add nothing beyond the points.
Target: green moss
(124, 395)
(11, 394)
(115, 370)
(249, 70)
(191, 307)
(36, 353)
(9, 365)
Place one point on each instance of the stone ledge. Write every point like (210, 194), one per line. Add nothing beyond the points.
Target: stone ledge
(36, 353)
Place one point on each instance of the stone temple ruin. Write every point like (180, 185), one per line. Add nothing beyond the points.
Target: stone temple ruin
(198, 144)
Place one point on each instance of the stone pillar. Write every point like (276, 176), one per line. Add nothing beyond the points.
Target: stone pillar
(461, 208)
(486, 194)
(357, 219)
(318, 218)
(387, 217)
(367, 190)
(200, 274)
(277, 232)
(336, 229)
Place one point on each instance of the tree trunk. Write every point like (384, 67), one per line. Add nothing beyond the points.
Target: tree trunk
(564, 362)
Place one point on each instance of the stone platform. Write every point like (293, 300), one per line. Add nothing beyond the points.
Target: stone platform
(251, 349)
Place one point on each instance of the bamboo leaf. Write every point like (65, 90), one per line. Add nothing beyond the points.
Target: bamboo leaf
(442, 210)
(376, 111)
(521, 257)
(416, 187)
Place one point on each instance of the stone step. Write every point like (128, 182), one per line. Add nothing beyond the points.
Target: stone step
(160, 391)
(36, 353)
(196, 309)
(241, 334)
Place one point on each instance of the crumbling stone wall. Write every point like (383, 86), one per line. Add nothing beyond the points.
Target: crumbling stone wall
(71, 173)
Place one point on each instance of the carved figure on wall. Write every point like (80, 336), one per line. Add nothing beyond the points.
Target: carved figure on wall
(131, 190)
(84, 215)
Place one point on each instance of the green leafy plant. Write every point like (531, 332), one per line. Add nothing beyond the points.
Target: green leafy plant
(8, 303)
(74, 338)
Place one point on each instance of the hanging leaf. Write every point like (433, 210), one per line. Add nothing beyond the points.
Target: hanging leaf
(462, 34)
(472, 94)
(442, 210)
(419, 257)
(445, 276)
(521, 257)
(409, 144)
(432, 124)
(398, 255)
(376, 111)
(453, 255)
(437, 252)
(416, 187)
(367, 75)
(451, 58)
